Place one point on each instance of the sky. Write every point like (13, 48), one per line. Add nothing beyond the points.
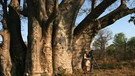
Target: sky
(124, 26)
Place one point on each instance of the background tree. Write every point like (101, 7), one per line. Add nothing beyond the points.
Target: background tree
(53, 42)
(131, 48)
(101, 40)
(120, 42)
(111, 50)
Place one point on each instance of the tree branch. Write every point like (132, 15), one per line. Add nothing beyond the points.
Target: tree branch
(1, 2)
(115, 15)
(123, 2)
(53, 15)
(1, 33)
(92, 16)
(93, 4)
(4, 7)
(70, 9)
(50, 4)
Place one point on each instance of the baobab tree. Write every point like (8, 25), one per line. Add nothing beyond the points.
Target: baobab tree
(101, 40)
(53, 41)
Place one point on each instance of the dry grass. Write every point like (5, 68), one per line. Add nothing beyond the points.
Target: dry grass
(112, 67)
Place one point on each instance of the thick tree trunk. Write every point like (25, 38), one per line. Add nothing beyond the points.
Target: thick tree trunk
(46, 54)
(33, 66)
(63, 36)
(39, 53)
(62, 52)
(78, 51)
(17, 46)
(5, 60)
(80, 46)
(83, 43)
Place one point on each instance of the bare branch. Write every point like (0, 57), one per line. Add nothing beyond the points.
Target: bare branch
(123, 2)
(50, 5)
(54, 14)
(93, 4)
(92, 16)
(1, 32)
(4, 6)
(5, 9)
(70, 9)
(115, 15)
(1, 2)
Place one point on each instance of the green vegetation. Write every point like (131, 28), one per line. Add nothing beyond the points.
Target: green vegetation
(120, 49)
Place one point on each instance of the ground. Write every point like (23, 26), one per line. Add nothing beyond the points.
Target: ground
(113, 72)
(112, 68)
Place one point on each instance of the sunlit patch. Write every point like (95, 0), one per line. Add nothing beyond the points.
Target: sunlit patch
(1, 40)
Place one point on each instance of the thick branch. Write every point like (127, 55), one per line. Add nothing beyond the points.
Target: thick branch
(93, 4)
(15, 4)
(50, 4)
(115, 15)
(123, 2)
(1, 2)
(4, 7)
(1, 32)
(70, 9)
(92, 16)
(53, 15)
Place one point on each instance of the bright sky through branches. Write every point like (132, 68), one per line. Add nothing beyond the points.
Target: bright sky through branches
(121, 25)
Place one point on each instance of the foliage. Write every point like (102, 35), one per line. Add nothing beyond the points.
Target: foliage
(131, 43)
(119, 40)
(121, 48)
(111, 50)
(131, 48)
(132, 19)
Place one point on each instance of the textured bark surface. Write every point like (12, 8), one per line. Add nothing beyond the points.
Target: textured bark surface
(46, 54)
(63, 35)
(33, 67)
(39, 39)
(62, 54)
(5, 59)
(80, 46)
